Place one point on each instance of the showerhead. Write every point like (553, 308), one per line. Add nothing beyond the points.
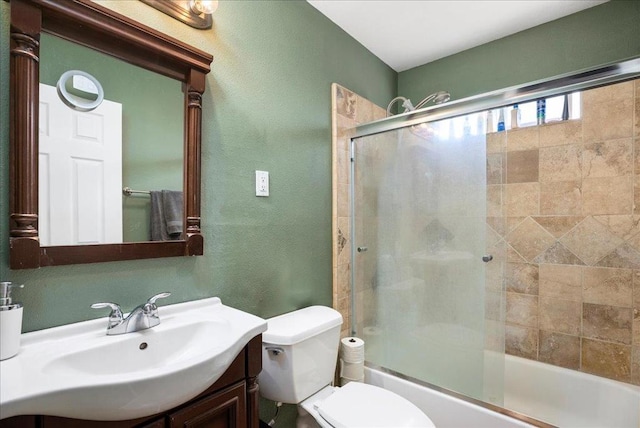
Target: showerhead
(437, 98)
(442, 97)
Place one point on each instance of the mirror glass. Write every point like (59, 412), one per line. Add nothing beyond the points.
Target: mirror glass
(79, 90)
(134, 140)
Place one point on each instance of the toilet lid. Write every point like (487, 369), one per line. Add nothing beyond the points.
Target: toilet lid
(360, 405)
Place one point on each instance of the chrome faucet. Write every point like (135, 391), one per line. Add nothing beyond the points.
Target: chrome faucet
(140, 318)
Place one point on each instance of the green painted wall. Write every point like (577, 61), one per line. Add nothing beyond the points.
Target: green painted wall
(605, 33)
(152, 122)
(267, 107)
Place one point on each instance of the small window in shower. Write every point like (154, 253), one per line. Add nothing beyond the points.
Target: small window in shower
(554, 109)
(553, 113)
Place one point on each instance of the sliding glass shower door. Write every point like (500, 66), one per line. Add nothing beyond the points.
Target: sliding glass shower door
(428, 258)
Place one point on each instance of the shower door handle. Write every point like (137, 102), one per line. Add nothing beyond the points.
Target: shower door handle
(487, 258)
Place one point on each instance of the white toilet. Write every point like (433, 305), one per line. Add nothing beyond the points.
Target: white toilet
(299, 355)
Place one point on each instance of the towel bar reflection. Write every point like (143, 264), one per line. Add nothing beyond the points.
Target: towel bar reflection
(128, 191)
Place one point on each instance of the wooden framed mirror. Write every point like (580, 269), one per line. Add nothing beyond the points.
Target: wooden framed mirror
(93, 26)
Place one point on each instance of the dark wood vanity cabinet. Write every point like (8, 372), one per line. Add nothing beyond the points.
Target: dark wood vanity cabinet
(231, 402)
(227, 408)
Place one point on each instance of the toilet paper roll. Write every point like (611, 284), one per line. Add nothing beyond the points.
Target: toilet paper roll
(352, 371)
(352, 350)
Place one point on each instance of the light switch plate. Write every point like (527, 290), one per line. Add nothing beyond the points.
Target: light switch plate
(262, 183)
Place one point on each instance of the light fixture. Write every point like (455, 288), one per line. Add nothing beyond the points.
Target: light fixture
(195, 13)
(203, 6)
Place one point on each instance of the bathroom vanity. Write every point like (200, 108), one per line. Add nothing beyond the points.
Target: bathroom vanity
(232, 401)
(197, 367)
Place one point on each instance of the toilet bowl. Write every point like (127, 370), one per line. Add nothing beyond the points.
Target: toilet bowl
(299, 355)
(361, 405)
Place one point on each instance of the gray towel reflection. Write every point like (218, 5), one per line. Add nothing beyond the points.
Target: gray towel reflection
(166, 215)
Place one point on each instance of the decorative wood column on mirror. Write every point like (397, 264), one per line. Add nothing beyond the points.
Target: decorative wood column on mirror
(192, 172)
(23, 119)
(96, 27)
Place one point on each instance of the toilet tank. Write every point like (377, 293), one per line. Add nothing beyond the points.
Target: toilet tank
(299, 353)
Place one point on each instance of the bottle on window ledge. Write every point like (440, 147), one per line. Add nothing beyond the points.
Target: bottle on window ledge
(565, 108)
(501, 120)
(489, 121)
(541, 111)
(515, 117)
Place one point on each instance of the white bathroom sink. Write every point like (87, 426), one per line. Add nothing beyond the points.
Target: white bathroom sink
(150, 350)
(77, 371)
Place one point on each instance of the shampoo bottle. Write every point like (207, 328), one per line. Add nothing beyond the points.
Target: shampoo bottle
(466, 130)
(541, 107)
(10, 321)
(501, 120)
(515, 117)
(489, 122)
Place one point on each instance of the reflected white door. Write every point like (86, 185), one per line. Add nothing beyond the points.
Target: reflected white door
(80, 173)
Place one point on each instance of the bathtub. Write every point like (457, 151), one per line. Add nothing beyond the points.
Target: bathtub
(568, 398)
(557, 396)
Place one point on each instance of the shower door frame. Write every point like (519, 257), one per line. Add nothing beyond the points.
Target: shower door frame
(564, 84)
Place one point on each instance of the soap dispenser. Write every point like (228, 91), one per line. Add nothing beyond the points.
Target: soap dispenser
(10, 321)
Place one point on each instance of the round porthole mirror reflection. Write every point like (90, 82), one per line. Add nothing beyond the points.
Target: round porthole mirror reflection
(80, 90)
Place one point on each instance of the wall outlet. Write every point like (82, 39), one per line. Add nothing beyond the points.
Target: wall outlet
(262, 183)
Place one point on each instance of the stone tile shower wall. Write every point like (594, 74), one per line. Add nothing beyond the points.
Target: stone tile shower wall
(348, 111)
(573, 232)
(570, 192)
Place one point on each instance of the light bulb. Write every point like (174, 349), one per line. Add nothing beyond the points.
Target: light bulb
(204, 6)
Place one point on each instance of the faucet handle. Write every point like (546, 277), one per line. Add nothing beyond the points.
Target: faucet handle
(150, 308)
(115, 317)
(152, 300)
